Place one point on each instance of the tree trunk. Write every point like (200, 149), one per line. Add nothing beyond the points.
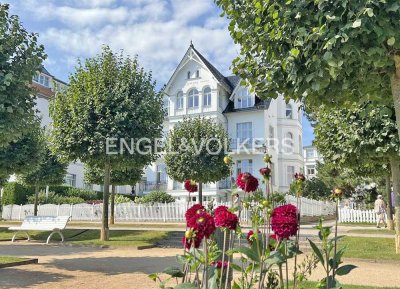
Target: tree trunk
(35, 206)
(395, 168)
(1, 201)
(389, 203)
(104, 233)
(200, 193)
(112, 219)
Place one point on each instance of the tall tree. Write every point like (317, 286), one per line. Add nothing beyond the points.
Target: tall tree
(23, 155)
(51, 171)
(20, 58)
(362, 138)
(195, 150)
(127, 176)
(109, 116)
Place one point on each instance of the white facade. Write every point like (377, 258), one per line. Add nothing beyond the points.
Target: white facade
(311, 157)
(46, 86)
(197, 88)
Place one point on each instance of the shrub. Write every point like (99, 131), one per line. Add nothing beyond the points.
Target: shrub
(80, 193)
(155, 197)
(15, 193)
(119, 199)
(54, 198)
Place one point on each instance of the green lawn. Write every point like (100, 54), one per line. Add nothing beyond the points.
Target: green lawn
(91, 237)
(352, 224)
(370, 248)
(9, 259)
(311, 285)
(372, 231)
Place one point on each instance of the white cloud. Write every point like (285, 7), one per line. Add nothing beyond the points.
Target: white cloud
(159, 32)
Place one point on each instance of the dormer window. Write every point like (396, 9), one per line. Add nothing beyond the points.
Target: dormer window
(197, 73)
(244, 98)
(188, 75)
(42, 79)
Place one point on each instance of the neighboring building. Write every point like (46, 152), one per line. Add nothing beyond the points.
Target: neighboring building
(197, 88)
(46, 86)
(311, 157)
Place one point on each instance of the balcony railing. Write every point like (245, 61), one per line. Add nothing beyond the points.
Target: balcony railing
(155, 186)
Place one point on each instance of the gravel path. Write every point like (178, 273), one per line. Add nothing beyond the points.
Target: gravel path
(80, 267)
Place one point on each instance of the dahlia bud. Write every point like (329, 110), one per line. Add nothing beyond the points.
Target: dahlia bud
(267, 158)
(299, 177)
(228, 160)
(337, 192)
(265, 172)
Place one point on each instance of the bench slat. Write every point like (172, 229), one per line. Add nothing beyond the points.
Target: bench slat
(42, 223)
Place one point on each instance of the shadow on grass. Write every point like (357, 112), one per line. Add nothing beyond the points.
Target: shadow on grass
(19, 278)
(115, 265)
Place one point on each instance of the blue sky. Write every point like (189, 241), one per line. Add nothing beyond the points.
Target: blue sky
(159, 31)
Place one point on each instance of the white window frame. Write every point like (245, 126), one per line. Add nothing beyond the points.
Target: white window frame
(193, 98)
(289, 142)
(244, 131)
(244, 98)
(207, 96)
(289, 111)
(289, 174)
(310, 170)
(70, 180)
(244, 166)
(188, 75)
(309, 153)
(179, 100)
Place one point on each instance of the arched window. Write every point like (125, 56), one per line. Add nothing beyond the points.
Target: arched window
(193, 98)
(289, 111)
(179, 100)
(166, 105)
(288, 142)
(207, 96)
(188, 75)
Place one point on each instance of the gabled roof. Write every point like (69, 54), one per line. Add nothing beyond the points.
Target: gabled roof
(218, 75)
(44, 71)
(228, 84)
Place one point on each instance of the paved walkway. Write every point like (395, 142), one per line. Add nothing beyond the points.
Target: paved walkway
(79, 267)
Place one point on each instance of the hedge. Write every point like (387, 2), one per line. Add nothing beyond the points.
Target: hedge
(16, 193)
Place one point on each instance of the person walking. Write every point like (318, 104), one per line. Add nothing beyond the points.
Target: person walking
(380, 211)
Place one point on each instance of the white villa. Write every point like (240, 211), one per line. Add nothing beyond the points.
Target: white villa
(311, 157)
(197, 88)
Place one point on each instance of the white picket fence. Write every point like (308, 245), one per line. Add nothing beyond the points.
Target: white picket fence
(347, 215)
(172, 212)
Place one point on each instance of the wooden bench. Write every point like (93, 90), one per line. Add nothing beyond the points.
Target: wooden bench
(42, 223)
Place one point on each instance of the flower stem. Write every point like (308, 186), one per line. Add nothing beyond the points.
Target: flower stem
(223, 259)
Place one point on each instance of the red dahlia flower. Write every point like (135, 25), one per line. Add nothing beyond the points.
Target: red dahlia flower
(299, 177)
(284, 221)
(250, 237)
(265, 172)
(190, 186)
(203, 223)
(193, 210)
(247, 182)
(225, 219)
(218, 264)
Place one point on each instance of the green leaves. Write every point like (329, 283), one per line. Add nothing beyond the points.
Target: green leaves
(344, 270)
(174, 272)
(356, 23)
(186, 286)
(317, 252)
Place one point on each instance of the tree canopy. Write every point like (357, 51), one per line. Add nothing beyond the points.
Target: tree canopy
(23, 155)
(318, 51)
(20, 59)
(195, 150)
(127, 176)
(110, 116)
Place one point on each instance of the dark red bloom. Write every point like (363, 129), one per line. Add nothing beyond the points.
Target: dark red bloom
(250, 235)
(203, 224)
(187, 243)
(265, 172)
(247, 182)
(225, 219)
(190, 186)
(193, 210)
(218, 264)
(284, 221)
(299, 177)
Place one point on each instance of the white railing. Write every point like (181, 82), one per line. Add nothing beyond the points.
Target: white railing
(172, 212)
(357, 216)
